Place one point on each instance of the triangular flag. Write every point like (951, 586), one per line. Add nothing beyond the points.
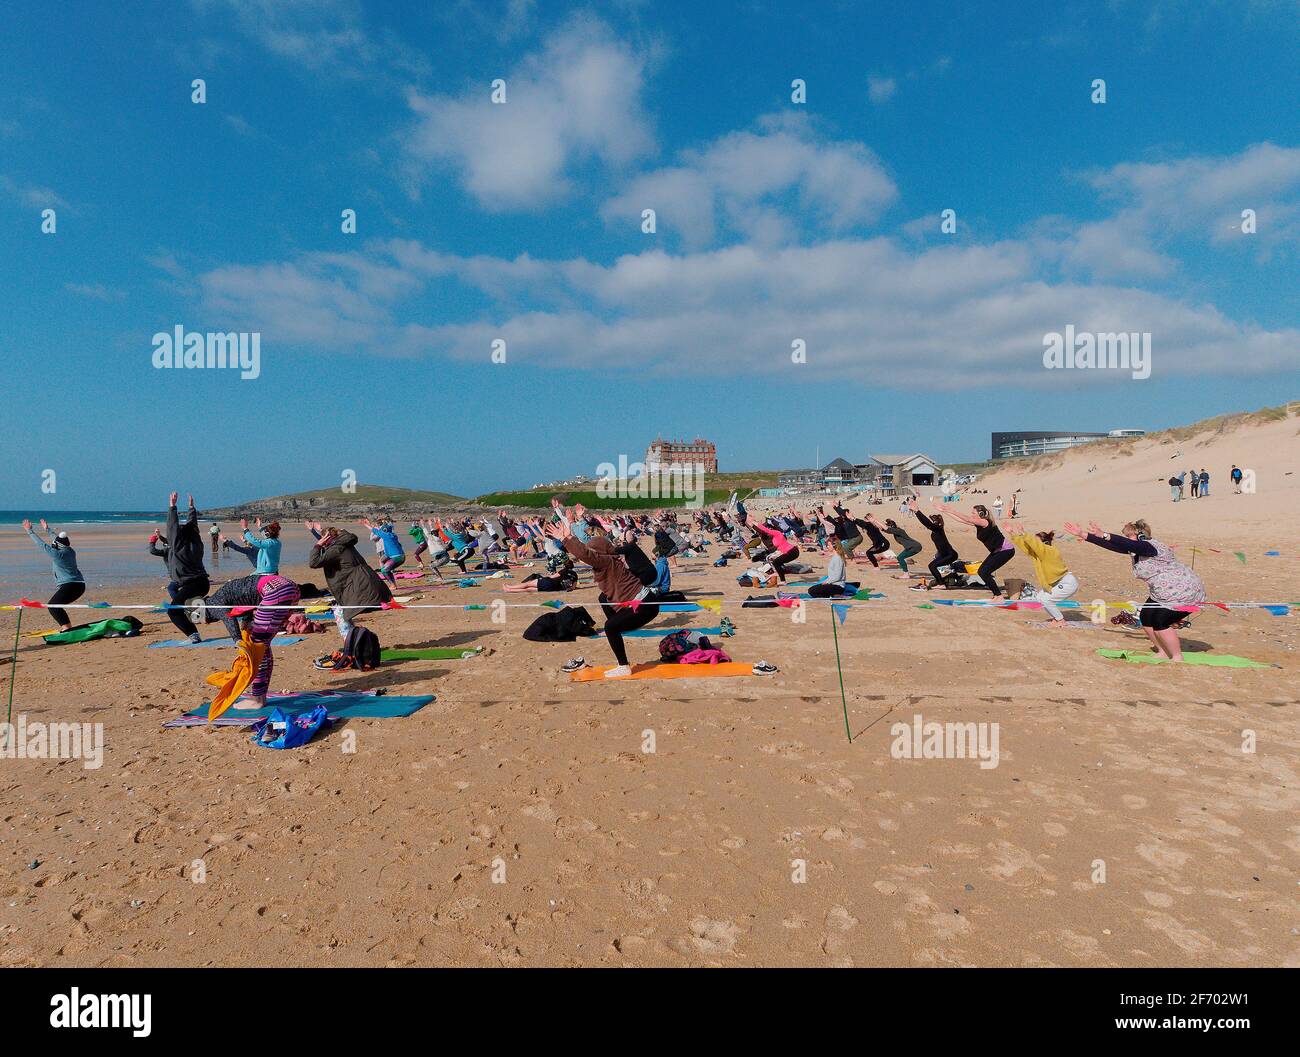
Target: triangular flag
(925, 605)
(553, 604)
(714, 604)
(841, 611)
(1278, 611)
(1241, 555)
(30, 604)
(392, 605)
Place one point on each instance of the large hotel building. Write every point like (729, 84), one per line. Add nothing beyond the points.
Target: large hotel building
(663, 454)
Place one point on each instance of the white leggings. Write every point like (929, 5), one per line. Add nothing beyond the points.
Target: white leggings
(1065, 588)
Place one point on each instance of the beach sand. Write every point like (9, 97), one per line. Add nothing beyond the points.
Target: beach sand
(690, 855)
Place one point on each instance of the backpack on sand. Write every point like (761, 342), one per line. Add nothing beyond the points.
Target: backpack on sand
(679, 643)
(362, 645)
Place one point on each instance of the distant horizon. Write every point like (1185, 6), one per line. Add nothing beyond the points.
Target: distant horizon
(520, 487)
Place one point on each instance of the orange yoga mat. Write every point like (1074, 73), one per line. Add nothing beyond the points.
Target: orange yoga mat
(665, 671)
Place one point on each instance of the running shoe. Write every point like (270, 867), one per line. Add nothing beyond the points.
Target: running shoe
(573, 664)
(763, 668)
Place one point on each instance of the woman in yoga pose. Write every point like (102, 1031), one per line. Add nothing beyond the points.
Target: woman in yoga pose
(786, 552)
(944, 554)
(188, 576)
(617, 585)
(69, 584)
(879, 544)
(1055, 582)
(269, 618)
(394, 555)
(1170, 582)
(265, 552)
(1000, 549)
(907, 547)
(356, 587)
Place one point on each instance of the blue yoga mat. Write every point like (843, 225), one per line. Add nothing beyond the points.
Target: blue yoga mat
(340, 706)
(219, 644)
(658, 633)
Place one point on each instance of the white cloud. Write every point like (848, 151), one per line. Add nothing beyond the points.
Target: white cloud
(576, 101)
(949, 317)
(881, 89)
(97, 291)
(319, 35)
(740, 182)
(31, 195)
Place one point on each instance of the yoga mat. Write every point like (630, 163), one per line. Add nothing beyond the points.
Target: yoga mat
(665, 671)
(218, 644)
(340, 706)
(657, 633)
(1213, 660)
(432, 653)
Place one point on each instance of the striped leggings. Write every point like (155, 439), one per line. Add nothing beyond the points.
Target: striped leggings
(267, 623)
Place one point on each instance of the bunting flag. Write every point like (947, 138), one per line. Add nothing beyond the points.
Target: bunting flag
(1241, 555)
(1278, 611)
(841, 611)
(392, 605)
(468, 608)
(554, 603)
(30, 604)
(1272, 554)
(714, 604)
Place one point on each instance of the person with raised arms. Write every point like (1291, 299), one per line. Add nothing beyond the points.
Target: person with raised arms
(188, 575)
(1000, 549)
(69, 584)
(1055, 581)
(617, 585)
(1169, 581)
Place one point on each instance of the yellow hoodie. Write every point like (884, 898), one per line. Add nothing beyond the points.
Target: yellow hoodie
(1049, 566)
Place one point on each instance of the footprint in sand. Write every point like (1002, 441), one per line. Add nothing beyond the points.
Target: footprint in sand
(835, 942)
(1162, 857)
(708, 937)
(787, 750)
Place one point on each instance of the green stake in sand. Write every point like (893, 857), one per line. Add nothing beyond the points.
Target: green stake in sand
(13, 673)
(843, 702)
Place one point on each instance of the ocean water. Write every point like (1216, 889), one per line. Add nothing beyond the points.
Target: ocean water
(59, 518)
(115, 554)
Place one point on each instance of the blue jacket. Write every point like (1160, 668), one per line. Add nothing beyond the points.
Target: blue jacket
(392, 545)
(64, 560)
(268, 553)
(663, 579)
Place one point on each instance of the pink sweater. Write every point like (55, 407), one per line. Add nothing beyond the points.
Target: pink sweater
(778, 539)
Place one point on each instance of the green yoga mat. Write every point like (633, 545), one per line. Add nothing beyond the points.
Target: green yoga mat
(1213, 660)
(433, 653)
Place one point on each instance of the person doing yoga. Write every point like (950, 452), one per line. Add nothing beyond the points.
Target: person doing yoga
(1055, 582)
(1170, 582)
(617, 585)
(944, 553)
(188, 576)
(69, 584)
(907, 547)
(1001, 550)
(786, 552)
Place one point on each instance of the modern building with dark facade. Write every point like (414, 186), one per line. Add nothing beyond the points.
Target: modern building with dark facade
(1021, 444)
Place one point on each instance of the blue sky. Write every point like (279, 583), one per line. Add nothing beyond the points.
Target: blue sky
(775, 221)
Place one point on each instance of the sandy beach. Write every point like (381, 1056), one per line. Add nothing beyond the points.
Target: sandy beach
(518, 819)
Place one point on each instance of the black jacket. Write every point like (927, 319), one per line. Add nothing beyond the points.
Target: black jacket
(184, 546)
